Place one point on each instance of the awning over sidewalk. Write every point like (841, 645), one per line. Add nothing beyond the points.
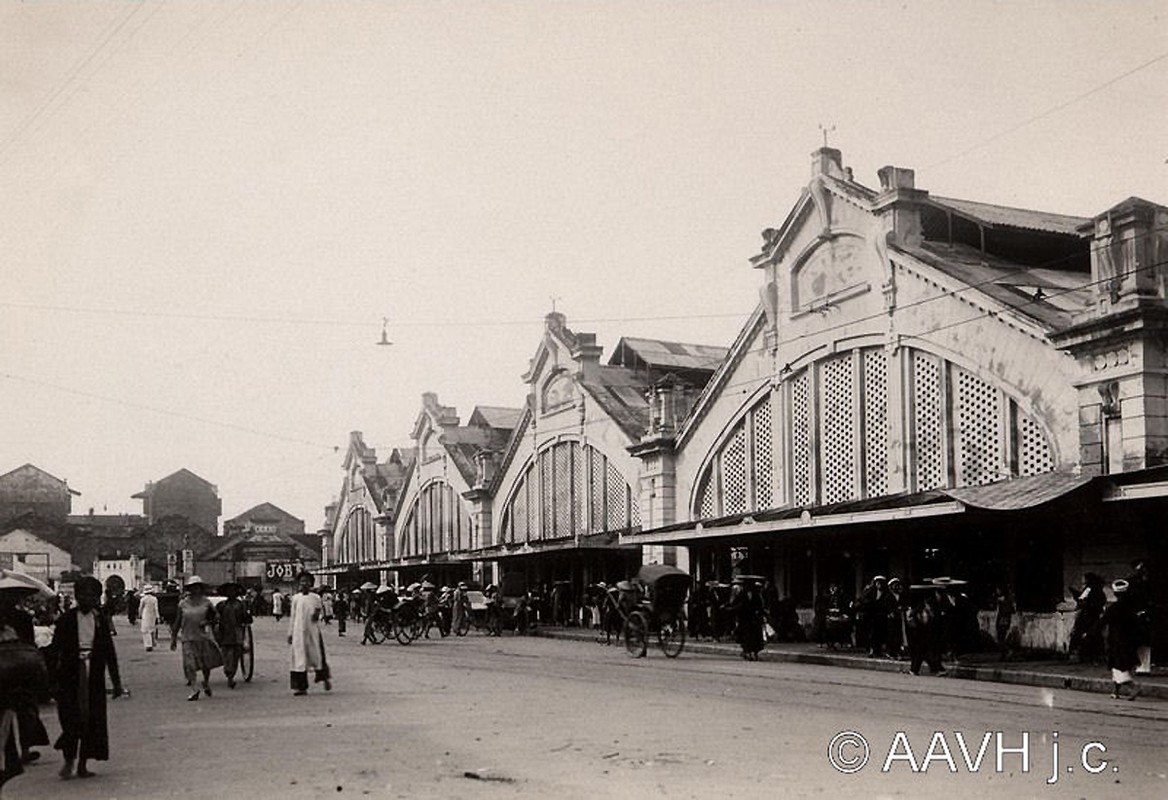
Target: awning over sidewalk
(1009, 495)
(608, 540)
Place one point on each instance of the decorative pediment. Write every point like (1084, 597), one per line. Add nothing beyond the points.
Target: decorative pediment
(832, 270)
(559, 392)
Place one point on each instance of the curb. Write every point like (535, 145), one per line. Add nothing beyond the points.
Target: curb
(1021, 677)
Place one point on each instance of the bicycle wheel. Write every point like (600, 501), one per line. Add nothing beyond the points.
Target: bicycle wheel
(671, 637)
(636, 634)
(248, 658)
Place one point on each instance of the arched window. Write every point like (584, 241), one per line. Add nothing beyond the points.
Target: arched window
(356, 542)
(437, 522)
(960, 430)
(566, 489)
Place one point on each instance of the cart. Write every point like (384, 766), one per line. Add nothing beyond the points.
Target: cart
(660, 609)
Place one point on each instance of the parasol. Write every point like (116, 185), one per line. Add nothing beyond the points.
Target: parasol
(25, 584)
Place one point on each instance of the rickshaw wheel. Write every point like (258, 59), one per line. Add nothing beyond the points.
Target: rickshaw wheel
(248, 664)
(671, 637)
(636, 634)
(402, 631)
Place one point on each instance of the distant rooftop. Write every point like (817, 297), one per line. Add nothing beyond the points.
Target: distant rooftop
(1006, 216)
(634, 352)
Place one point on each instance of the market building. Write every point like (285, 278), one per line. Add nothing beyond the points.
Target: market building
(355, 544)
(445, 510)
(565, 487)
(927, 388)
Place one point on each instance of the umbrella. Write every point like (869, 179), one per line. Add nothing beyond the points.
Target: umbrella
(368, 586)
(25, 584)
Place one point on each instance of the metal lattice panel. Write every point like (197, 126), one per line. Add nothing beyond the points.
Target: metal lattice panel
(519, 511)
(801, 441)
(734, 485)
(547, 500)
(563, 494)
(1034, 455)
(579, 487)
(838, 450)
(875, 421)
(599, 466)
(708, 505)
(929, 422)
(981, 454)
(764, 455)
(616, 498)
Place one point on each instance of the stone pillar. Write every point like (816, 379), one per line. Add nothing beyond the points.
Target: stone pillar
(1121, 342)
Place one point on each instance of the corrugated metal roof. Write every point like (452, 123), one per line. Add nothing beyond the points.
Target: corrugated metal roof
(1065, 292)
(1018, 493)
(671, 355)
(1006, 216)
(498, 416)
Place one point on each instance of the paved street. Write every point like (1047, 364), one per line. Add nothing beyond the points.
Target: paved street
(481, 717)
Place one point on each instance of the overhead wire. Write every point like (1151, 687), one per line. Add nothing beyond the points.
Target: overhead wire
(164, 411)
(42, 109)
(1049, 111)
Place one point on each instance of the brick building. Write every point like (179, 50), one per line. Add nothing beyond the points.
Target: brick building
(31, 490)
(182, 494)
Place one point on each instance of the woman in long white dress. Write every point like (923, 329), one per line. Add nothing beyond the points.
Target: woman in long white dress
(305, 638)
(148, 620)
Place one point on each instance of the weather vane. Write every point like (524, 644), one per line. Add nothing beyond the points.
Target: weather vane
(384, 333)
(826, 131)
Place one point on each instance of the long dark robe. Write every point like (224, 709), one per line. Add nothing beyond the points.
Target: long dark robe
(1123, 634)
(32, 730)
(89, 725)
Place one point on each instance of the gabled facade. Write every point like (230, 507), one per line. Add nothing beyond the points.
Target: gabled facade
(264, 518)
(359, 524)
(42, 548)
(183, 494)
(924, 389)
(567, 486)
(445, 512)
(30, 490)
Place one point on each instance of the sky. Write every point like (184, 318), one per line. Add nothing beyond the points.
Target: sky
(208, 209)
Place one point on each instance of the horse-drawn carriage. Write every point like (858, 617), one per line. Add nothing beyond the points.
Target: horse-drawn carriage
(659, 608)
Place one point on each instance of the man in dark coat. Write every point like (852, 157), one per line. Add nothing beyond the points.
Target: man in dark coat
(1122, 622)
(85, 649)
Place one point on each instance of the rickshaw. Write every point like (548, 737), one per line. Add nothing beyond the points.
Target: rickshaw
(660, 608)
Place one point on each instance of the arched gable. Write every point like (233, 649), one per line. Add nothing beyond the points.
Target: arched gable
(437, 521)
(568, 487)
(868, 421)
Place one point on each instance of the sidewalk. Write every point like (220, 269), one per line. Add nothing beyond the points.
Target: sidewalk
(1050, 673)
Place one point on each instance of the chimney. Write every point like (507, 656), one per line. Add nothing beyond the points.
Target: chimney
(828, 161)
(899, 202)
